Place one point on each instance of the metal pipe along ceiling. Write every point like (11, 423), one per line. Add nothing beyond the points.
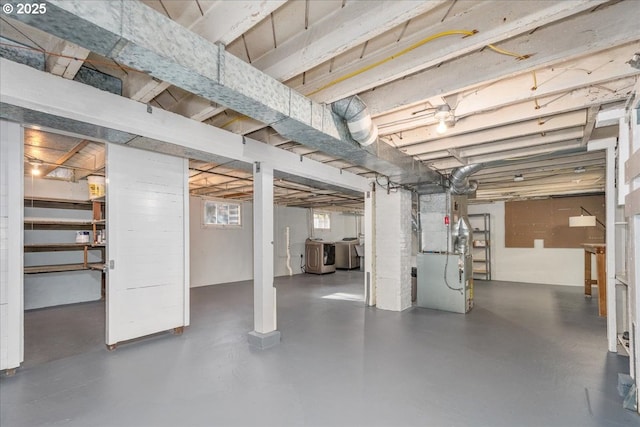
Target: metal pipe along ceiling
(129, 33)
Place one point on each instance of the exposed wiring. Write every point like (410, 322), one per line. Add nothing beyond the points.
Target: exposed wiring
(535, 81)
(446, 262)
(408, 49)
(508, 53)
(446, 281)
(465, 33)
(535, 87)
(390, 186)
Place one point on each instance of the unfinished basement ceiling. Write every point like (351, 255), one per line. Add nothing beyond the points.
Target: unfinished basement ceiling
(521, 82)
(56, 156)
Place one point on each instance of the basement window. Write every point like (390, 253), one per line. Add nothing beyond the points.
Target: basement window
(221, 213)
(321, 221)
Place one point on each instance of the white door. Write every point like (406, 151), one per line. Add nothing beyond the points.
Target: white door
(147, 243)
(11, 249)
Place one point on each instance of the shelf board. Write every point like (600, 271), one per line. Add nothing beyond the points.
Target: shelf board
(60, 247)
(43, 202)
(479, 271)
(480, 260)
(62, 268)
(58, 224)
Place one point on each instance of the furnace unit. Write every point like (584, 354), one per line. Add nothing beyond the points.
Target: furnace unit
(444, 265)
(320, 256)
(444, 282)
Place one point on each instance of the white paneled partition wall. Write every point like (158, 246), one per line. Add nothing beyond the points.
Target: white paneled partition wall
(11, 249)
(148, 243)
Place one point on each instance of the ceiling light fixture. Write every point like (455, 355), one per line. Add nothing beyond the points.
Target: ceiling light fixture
(442, 127)
(444, 115)
(579, 169)
(584, 220)
(635, 61)
(35, 166)
(518, 178)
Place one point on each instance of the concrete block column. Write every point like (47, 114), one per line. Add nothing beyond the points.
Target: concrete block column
(393, 241)
(264, 334)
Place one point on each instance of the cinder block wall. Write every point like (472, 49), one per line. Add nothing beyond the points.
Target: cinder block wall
(393, 249)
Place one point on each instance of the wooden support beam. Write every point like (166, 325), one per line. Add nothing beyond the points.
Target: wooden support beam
(65, 157)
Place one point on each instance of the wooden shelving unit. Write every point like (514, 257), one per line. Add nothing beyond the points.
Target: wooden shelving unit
(58, 268)
(95, 224)
(481, 245)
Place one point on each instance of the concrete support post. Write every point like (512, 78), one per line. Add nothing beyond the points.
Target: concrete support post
(11, 246)
(264, 334)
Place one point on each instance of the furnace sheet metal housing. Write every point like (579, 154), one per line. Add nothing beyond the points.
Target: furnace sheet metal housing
(444, 282)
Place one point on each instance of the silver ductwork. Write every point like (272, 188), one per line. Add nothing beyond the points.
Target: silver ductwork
(459, 179)
(461, 234)
(356, 115)
(188, 61)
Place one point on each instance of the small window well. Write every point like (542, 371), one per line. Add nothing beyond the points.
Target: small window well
(221, 213)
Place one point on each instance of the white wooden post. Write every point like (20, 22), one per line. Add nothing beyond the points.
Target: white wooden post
(369, 249)
(11, 246)
(264, 334)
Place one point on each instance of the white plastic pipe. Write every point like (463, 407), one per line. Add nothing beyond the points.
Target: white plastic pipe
(286, 232)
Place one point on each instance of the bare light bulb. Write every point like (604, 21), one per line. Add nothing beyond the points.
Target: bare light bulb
(442, 127)
(35, 170)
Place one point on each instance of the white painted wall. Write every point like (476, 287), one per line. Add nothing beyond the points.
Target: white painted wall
(553, 266)
(297, 219)
(223, 255)
(50, 289)
(11, 300)
(220, 255)
(342, 225)
(55, 189)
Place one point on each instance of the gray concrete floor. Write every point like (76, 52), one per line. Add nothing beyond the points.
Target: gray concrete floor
(527, 355)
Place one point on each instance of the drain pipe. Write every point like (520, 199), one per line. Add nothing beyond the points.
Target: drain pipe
(459, 179)
(286, 235)
(354, 111)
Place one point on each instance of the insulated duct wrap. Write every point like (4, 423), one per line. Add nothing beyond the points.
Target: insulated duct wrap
(354, 111)
(459, 180)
